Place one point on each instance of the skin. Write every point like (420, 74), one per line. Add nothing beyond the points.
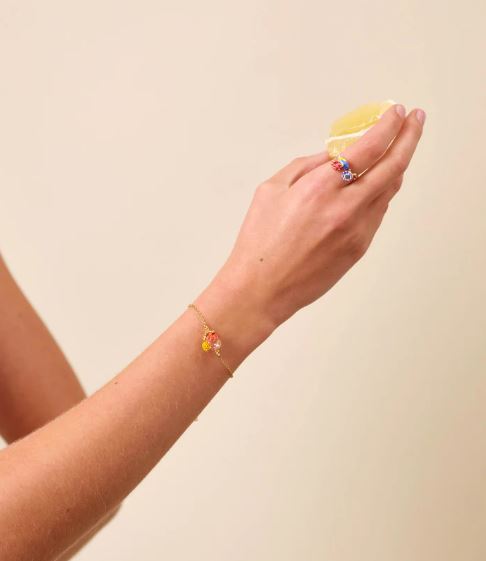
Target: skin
(304, 229)
(35, 386)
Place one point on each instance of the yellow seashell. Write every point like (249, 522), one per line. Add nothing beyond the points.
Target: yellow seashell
(346, 130)
(205, 346)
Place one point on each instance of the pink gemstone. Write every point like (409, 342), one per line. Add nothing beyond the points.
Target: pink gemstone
(212, 337)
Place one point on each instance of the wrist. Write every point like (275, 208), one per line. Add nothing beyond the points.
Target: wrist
(235, 309)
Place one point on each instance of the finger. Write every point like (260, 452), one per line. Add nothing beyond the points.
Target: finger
(363, 153)
(298, 167)
(375, 217)
(387, 195)
(396, 160)
(373, 144)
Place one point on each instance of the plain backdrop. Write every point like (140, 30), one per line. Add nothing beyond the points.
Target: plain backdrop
(132, 136)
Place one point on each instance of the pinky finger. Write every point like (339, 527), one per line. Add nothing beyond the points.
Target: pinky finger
(374, 216)
(383, 199)
(378, 207)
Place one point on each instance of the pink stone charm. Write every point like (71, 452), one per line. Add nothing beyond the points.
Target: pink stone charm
(212, 337)
(213, 341)
(337, 165)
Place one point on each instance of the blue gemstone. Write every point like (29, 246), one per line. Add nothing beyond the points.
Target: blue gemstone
(344, 163)
(347, 176)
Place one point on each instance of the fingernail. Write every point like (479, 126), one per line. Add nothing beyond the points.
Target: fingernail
(420, 115)
(400, 109)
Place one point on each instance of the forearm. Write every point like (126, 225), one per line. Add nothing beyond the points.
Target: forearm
(294, 245)
(60, 480)
(36, 381)
(83, 540)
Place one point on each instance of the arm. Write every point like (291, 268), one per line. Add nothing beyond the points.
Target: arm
(36, 381)
(83, 540)
(293, 246)
(68, 474)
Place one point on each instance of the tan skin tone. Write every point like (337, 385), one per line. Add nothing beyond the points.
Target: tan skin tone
(304, 229)
(35, 386)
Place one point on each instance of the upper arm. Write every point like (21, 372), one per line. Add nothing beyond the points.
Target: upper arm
(36, 381)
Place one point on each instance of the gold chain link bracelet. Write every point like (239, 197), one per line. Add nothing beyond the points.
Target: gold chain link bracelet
(210, 339)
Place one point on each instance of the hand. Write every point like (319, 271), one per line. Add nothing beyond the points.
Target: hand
(305, 228)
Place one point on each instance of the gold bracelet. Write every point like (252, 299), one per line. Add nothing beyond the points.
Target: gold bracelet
(210, 339)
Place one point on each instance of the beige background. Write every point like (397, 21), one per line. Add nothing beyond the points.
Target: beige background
(129, 130)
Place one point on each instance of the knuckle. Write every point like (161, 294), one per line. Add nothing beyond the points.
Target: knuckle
(395, 186)
(311, 193)
(315, 180)
(298, 160)
(264, 190)
(356, 244)
(340, 219)
(399, 164)
(264, 186)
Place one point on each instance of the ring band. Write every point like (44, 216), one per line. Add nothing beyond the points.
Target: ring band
(341, 165)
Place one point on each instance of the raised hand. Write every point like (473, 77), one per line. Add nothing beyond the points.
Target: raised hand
(306, 227)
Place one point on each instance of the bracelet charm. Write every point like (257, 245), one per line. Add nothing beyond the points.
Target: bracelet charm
(210, 339)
